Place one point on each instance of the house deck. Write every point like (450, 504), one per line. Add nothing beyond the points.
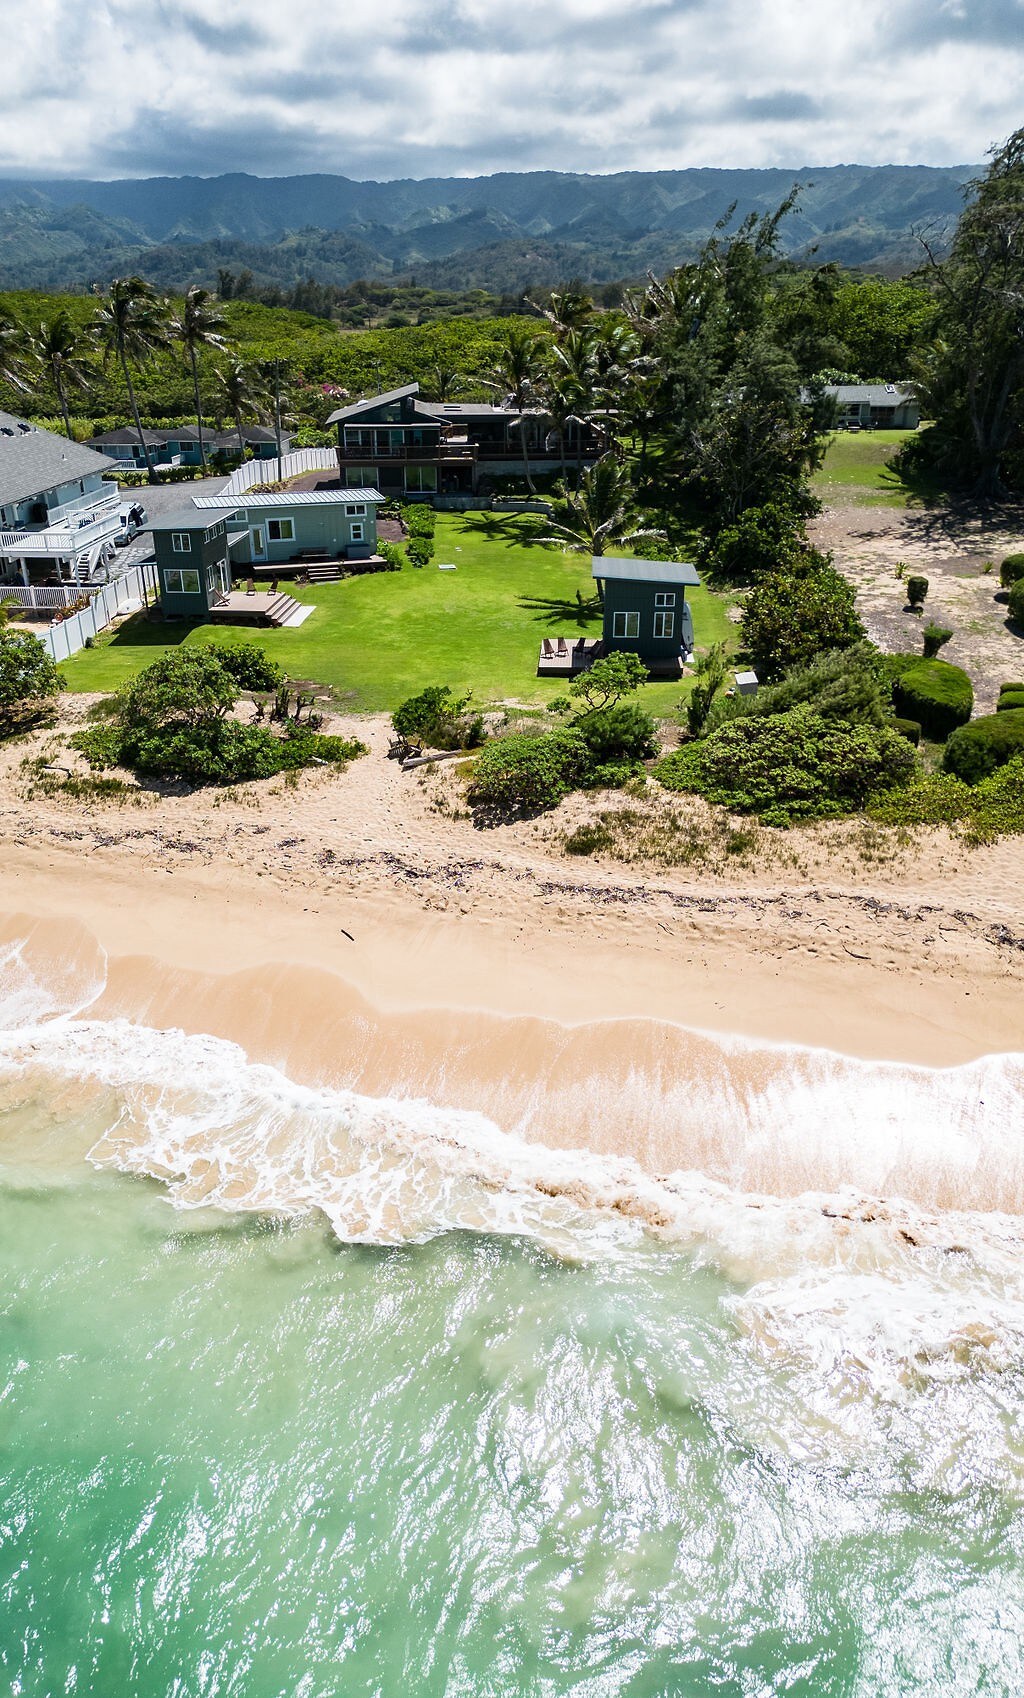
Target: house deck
(259, 608)
(563, 657)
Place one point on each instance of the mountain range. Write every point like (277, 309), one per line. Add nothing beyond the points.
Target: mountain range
(505, 232)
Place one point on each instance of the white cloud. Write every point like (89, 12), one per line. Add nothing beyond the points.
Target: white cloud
(465, 87)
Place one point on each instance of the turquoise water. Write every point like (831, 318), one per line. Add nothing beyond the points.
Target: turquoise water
(722, 1445)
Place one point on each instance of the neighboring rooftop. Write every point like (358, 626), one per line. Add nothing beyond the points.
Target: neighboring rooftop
(33, 460)
(353, 410)
(876, 394)
(190, 518)
(298, 498)
(646, 571)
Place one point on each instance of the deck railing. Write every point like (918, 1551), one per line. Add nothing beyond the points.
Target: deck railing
(62, 541)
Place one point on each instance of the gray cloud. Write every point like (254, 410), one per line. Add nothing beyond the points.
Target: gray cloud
(467, 88)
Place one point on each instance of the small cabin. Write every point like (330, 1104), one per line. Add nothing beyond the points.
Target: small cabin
(294, 526)
(645, 610)
(194, 551)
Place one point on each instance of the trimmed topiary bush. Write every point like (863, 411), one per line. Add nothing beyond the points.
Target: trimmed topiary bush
(791, 766)
(976, 750)
(935, 637)
(917, 589)
(1010, 688)
(909, 729)
(1015, 603)
(1011, 570)
(1009, 701)
(935, 693)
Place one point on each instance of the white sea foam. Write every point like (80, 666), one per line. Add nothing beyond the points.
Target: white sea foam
(850, 1290)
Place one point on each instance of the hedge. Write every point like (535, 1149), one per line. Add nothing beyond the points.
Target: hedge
(909, 729)
(1010, 688)
(1015, 602)
(935, 693)
(790, 766)
(1011, 569)
(977, 750)
(1009, 701)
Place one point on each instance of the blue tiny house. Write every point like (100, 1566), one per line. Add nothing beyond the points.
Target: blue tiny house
(645, 609)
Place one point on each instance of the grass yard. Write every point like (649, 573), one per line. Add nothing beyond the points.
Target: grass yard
(377, 639)
(856, 468)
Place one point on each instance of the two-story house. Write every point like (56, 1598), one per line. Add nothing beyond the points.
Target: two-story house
(58, 514)
(417, 449)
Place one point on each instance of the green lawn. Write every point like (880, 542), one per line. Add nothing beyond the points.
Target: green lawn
(377, 639)
(856, 462)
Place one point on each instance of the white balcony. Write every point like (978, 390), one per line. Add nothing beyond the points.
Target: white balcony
(82, 529)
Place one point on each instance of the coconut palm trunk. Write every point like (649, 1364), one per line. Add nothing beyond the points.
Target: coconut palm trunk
(193, 362)
(151, 472)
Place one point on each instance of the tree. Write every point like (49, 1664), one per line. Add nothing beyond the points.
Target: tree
(606, 683)
(599, 514)
(972, 378)
(518, 370)
(710, 676)
(187, 689)
(242, 393)
(130, 326)
(29, 679)
(792, 615)
(444, 380)
(59, 349)
(12, 351)
(198, 326)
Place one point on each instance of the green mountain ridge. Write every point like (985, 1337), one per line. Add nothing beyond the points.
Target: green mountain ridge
(504, 232)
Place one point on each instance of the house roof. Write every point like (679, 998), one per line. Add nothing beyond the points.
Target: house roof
(190, 518)
(355, 408)
(646, 571)
(876, 394)
(34, 460)
(297, 498)
(152, 438)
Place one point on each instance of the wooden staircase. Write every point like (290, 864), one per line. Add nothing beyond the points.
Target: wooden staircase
(281, 609)
(323, 574)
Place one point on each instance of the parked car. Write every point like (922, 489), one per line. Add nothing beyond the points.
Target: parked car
(133, 518)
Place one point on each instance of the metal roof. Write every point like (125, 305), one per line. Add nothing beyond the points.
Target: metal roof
(33, 461)
(353, 410)
(296, 498)
(189, 518)
(646, 571)
(876, 394)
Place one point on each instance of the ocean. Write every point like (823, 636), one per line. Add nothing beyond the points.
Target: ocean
(308, 1392)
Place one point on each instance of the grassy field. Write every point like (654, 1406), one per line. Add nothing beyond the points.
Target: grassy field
(377, 639)
(856, 467)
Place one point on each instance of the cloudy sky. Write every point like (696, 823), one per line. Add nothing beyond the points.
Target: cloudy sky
(415, 88)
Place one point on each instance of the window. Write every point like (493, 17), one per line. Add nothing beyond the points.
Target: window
(664, 624)
(421, 480)
(354, 511)
(181, 542)
(178, 581)
(625, 624)
(281, 530)
(359, 477)
(214, 532)
(356, 531)
(664, 598)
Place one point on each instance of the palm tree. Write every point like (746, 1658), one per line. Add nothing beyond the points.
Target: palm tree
(518, 371)
(12, 348)
(59, 349)
(575, 356)
(568, 308)
(242, 393)
(443, 380)
(130, 326)
(562, 402)
(199, 325)
(599, 513)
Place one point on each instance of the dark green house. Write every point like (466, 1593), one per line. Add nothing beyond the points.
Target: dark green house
(193, 558)
(645, 609)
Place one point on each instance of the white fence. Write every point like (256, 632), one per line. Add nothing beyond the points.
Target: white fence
(266, 471)
(65, 638)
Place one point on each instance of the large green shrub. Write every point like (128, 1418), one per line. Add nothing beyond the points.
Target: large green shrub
(439, 720)
(524, 773)
(979, 812)
(1015, 602)
(790, 766)
(1010, 570)
(845, 684)
(249, 665)
(621, 732)
(792, 615)
(976, 750)
(935, 693)
(29, 680)
(759, 540)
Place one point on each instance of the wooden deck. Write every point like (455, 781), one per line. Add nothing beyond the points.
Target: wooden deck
(260, 608)
(564, 657)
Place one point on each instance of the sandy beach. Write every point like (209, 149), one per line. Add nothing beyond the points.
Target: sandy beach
(360, 930)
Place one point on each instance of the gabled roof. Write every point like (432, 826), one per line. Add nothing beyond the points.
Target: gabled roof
(367, 405)
(33, 460)
(876, 394)
(126, 433)
(645, 571)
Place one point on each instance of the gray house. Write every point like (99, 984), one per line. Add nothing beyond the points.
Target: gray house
(645, 610)
(874, 406)
(58, 515)
(292, 525)
(193, 559)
